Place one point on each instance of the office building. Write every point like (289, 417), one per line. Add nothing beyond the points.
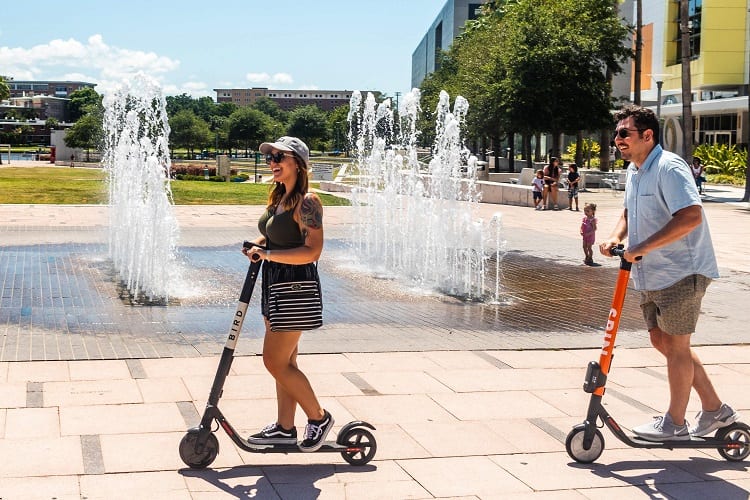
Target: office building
(719, 62)
(439, 37)
(31, 88)
(287, 100)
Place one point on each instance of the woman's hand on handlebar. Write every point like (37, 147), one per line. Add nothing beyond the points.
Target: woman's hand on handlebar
(255, 251)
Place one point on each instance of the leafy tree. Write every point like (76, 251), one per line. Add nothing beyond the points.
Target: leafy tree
(339, 128)
(269, 107)
(204, 107)
(51, 123)
(225, 109)
(83, 101)
(4, 89)
(309, 124)
(218, 126)
(19, 134)
(247, 128)
(533, 66)
(189, 131)
(87, 133)
(23, 114)
(177, 103)
(555, 55)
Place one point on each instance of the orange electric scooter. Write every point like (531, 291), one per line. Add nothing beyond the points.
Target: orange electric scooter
(585, 442)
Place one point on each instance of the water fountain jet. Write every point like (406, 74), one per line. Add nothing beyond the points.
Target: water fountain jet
(420, 221)
(143, 230)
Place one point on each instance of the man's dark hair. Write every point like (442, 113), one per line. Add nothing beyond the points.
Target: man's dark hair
(643, 118)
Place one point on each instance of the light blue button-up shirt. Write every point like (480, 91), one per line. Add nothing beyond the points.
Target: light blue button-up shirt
(662, 186)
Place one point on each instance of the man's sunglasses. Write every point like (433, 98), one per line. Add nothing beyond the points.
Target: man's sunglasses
(625, 132)
(277, 157)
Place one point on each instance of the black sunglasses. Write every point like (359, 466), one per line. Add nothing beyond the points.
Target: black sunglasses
(625, 132)
(277, 157)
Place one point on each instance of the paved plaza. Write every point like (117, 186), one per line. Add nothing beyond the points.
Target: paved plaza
(469, 400)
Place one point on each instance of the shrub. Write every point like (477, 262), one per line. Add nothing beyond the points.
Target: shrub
(195, 170)
(722, 160)
(588, 145)
(724, 179)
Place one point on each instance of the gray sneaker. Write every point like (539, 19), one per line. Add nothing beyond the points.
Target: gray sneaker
(709, 421)
(662, 429)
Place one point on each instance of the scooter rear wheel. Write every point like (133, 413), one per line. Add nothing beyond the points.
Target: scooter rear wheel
(362, 446)
(574, 445)
(735, 432)
(198, 460)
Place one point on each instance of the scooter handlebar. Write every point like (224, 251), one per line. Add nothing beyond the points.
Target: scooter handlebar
(248, 245)
(619, 251)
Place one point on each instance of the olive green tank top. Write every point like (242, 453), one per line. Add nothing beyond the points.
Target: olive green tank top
(281, 230)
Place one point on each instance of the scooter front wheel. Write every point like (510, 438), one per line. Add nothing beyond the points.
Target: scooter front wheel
(574, 445)
(361, 446)
(736, 432)
(194, 459)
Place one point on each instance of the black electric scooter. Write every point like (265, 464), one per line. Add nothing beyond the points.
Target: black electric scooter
(585, 442)
(200, 447)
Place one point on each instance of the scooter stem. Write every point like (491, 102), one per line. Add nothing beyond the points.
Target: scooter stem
(615, 312)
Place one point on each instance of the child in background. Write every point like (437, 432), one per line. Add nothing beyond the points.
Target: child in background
(573, 178)
(538, 183)
(588, 231)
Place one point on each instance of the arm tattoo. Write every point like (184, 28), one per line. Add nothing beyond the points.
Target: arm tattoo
(311, 212)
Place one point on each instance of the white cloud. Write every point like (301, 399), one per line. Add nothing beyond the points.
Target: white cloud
(194, 89)
(266, 79)
(93, 61)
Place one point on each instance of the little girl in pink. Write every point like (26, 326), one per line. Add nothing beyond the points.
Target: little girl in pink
(588, 231)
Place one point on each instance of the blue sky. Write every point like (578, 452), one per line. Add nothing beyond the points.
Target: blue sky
(195, 47)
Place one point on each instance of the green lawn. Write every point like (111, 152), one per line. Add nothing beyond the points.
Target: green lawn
(83, 186)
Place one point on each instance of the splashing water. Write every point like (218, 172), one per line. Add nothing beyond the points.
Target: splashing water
(419, 221)
(143, 230)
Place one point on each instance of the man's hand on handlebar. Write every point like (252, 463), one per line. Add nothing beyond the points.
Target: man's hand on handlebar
(611, 248)
(605, 247)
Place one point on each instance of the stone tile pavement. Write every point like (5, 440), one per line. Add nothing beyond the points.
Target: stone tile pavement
(450, 424)
(464, 408)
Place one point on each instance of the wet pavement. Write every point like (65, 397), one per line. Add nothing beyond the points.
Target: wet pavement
(60, 298)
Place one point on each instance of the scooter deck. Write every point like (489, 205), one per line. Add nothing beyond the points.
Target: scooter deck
(711, 441)
(328, 446)
(693, 442)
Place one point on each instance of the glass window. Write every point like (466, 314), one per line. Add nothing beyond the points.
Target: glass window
(474, 10)
(695, 8)
(438, 44)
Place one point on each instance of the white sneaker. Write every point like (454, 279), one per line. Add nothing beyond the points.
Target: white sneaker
(709, 421)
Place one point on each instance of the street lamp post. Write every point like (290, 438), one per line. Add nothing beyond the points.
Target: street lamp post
(659, 79)
(659, 83)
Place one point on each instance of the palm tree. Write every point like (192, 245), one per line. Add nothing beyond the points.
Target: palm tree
(638, 52)
(687, 94)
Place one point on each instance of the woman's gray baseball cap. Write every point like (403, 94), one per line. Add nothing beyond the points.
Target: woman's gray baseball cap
(291, 144)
